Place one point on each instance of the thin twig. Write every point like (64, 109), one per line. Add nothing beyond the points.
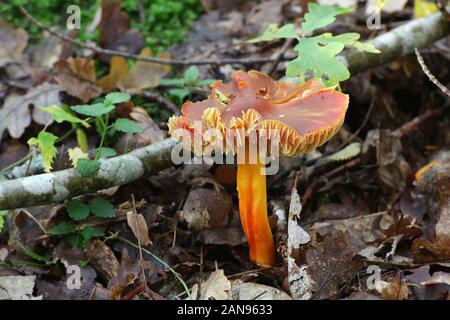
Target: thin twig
(316, 183)
(430, 76)
(280, 55)
(98, 50)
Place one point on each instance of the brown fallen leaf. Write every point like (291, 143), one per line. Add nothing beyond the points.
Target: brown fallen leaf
(254, 291)
(12, 43)
(127, 275)
(206, 208)
(216, 287)
(330, 264)
(144, 75)
(118, 70)
(394, 289)
(152, 133)
(102, 258)
(139, 227)
(15, 113)
(78, 78)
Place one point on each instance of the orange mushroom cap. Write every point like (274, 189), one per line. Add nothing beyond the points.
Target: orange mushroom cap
(305, 116)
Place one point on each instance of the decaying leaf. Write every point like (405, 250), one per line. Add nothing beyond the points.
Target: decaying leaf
(12, 43)
(139, 227)
(128, 273)
(254, 291)
(118, 71)
(394, 289)
(144, 74)
(102, 258)
(152, 133)
(78, 78)
(206, 208)
(17, 288)
(15, 113)
(217, 287)
(330, 263)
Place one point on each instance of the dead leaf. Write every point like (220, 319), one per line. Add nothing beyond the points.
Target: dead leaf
(144, 75)
(78, 78)
(118, 70)
(438, 278)
(12, 43)
(128, 273)
(206, 208)
(17, 288)
(330, 263)
(139, 227)
(216, 287)
(15, 113)
(254, 291)
(394, 289)
(152, 133)
(102, 258)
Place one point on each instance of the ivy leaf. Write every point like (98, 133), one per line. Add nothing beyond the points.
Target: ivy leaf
(77, 210)
(128, 126)
(320, 16)
(104, 153)
(60, 115)
(316, 60)
(87, 167)
(117, 97)
(274, 32)
(102, 208)
(60, 229)
(46, 144)
(93, 110)
(191, 74)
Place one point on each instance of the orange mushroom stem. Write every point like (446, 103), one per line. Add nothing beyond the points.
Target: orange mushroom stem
(301, 117)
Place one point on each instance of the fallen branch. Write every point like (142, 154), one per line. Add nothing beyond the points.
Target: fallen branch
(184, 63)
(399, 42)
(62, 185)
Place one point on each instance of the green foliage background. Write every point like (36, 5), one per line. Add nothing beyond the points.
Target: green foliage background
(165, 24)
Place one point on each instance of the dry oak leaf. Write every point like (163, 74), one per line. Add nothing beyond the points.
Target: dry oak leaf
(144, 75)
(12, 44)
(15, 113)
(152, 133)
(78, 78)
(118, 70)
(216, 287)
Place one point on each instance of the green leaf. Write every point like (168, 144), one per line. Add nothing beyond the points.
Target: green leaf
(191, 74)
(77, 210)
(102, 208)
(366, 47)
(316, 60)
(172, 82)
(104, 153)
(348, 40)
(320, 16)
(117, 97)
(81, 239)
(82, 140)
(127, 125)
(60, 229)
(93, 110)
(2, 219)
(60, 115)
(180, 93)
(274, 32)
(46, 144)
(86, 167)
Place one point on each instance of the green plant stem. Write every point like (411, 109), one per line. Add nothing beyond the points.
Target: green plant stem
(15, 164)
(102, 141)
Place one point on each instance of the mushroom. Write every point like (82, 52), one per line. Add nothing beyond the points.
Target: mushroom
(299, 118)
